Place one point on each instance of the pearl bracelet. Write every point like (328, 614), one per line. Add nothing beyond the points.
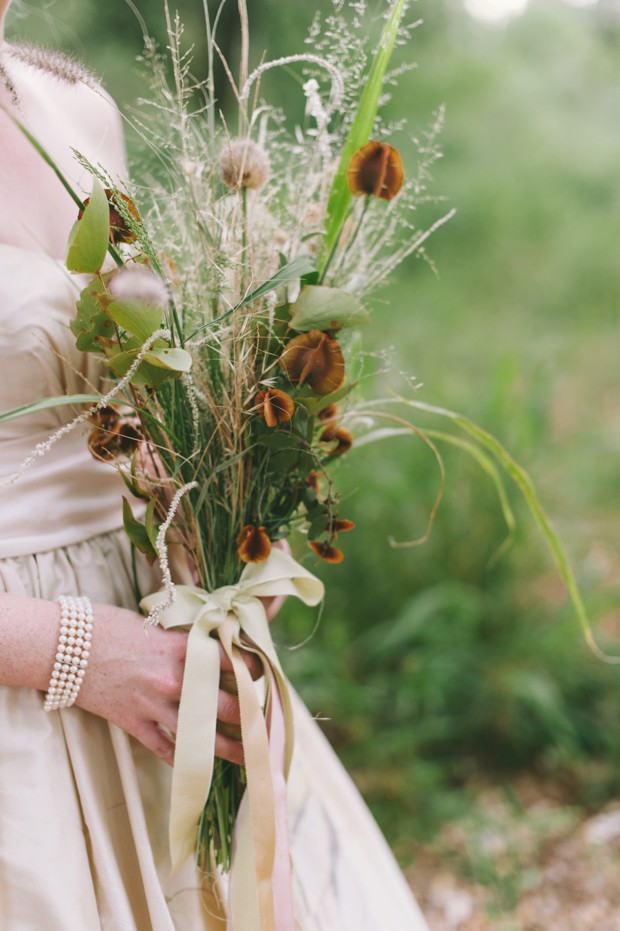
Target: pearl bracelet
(72, 652)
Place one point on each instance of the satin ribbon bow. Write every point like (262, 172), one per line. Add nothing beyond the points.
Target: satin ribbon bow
(234, 610)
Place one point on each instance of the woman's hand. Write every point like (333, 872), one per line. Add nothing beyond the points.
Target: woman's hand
(273, 605)
(134, 680)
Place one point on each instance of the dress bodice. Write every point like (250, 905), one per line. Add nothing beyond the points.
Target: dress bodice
(65, 496)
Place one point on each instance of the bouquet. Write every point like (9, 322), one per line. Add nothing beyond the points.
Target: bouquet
(225, 293)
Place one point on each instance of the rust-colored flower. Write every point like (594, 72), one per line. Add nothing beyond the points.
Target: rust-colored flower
(253, 544)
(120, 230)
(376, 169)
(315, 359)
(312, 480)
(327, 552)
(340, 526)
(111, 437)
(343, 436)
(328, 413)
(276, 406)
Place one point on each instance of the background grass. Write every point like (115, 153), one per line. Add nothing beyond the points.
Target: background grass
(436, 666)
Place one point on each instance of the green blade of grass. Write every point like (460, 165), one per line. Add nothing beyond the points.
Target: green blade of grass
(47, 403)
(359, 134)
(523, 481)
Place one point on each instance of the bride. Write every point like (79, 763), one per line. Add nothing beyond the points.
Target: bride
(84, 789)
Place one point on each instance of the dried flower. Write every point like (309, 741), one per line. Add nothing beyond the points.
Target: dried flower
(312, 480)
(342, 435)
(340, 526)
(376, 169)
(327, 552)
(277, 406)
(136, 283)
(111, 437)
(253, 544)
(120, 230)
(244, 164)
(314, 358)
(328, 413)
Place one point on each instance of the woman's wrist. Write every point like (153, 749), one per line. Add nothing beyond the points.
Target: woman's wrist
(28, 636)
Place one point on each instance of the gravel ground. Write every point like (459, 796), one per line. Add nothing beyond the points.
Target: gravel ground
(522, 864)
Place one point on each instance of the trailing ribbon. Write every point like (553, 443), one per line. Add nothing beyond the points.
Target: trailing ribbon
(260, 842)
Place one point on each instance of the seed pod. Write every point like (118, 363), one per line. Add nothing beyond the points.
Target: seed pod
(316, 359)
(277, 406)
(327, 552)
(253, 544)
(376, 169)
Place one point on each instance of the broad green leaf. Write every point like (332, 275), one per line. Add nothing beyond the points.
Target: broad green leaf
(140, 319)
(314, 405)
(91, 321)
(175, 360)
(321, 308)
(48, 404)
(280, 440)
(137, 533)
(90, 236)
(360, 132)
(146, 374)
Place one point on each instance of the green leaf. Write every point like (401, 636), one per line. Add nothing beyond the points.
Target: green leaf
(280, 440)
(140, 319)
(91, 321)
(360, 132)
(90, 236)
(137, 533)
(174, 360)
(321, 308)
(152, 528)
(314, 405)
(289, 272)
(48, 404)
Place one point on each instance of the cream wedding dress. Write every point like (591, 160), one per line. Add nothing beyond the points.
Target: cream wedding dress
(83, 807)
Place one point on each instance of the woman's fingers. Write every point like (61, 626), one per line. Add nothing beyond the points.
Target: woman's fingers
(154, 739)
(228, 749)
(251, 660)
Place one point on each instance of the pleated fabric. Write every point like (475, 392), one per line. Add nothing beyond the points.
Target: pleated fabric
(84, 807)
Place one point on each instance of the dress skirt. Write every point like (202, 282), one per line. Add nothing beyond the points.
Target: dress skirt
(84, 807)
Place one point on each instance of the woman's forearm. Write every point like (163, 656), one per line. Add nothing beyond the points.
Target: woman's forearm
(28, 635)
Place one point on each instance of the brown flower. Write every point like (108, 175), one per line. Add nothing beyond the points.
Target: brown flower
(314, 358)
(327, 552)
(312, 480)
(120, 230)
(253, 544)
(343, 436)
(111, 437)
(340, 526)
(328, 413)
(277, 406)
(376, 169)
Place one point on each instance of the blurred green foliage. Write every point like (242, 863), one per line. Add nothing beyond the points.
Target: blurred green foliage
(436, 664)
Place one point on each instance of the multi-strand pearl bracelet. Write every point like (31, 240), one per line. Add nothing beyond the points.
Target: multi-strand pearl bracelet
(73, 651)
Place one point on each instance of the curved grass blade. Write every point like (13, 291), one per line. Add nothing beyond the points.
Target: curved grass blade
(523, 481)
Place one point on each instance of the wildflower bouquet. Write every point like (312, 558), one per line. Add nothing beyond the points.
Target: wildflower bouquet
(225, 293)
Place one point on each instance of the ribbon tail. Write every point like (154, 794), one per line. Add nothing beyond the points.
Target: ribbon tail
(259, 790)
(195, 742)
(282, 878)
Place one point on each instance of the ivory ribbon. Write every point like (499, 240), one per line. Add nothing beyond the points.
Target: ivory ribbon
(260, 858)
